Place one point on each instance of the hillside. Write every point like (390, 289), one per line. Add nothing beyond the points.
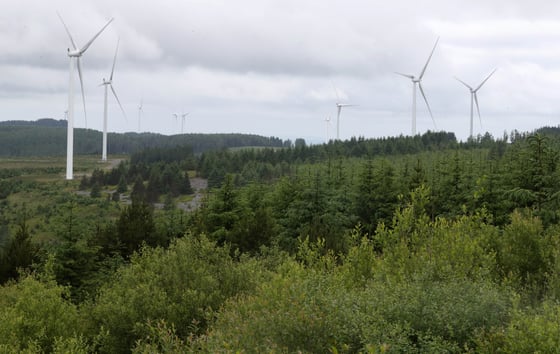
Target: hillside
(47, 137)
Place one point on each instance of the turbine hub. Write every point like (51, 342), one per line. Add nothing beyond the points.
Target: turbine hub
(74, 53)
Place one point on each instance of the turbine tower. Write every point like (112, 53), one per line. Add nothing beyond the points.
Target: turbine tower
(109, 83)
(328, 123)
(140, 110)
(75, 53)
(474, 99)
(338, 110)
(417, 81)
(183, 117)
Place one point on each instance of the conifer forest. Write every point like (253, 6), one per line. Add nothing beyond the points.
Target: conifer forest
(420, 244)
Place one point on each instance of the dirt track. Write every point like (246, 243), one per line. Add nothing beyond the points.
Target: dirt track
(198, 185)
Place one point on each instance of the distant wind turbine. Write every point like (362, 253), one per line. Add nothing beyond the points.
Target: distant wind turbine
(183, 117)
(338, 110)
(328, 122)
(76, 53)
(417, 81)
(109, 83)
(474, 99)
(140, 110)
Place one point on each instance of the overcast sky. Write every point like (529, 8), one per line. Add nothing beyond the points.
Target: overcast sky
(268, 67)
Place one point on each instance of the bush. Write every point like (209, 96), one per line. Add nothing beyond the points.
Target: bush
(315, 308)
(36, 316)
(531, 331)
(182, 285)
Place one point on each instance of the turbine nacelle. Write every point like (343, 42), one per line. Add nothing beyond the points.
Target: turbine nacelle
(74, 53)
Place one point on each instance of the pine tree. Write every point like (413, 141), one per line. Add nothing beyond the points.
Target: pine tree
(186, 187)
(138, 190)
(122, 187)
(136, 226)
(95, 190)
(19, 253)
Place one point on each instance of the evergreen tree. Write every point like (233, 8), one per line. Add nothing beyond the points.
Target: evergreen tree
(122, 186)
(84, 183)
(138, 190)
(186, 187)
(19, 253)
(135, 227)
(95, 190)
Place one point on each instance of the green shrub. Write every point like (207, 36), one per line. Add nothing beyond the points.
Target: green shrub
(530, 331)
(36, 316)
(182, 285)
(306, 310)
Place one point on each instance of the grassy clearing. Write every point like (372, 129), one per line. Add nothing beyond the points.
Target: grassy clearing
(44, 194)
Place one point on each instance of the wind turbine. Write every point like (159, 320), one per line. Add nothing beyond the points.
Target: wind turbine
(328, 123)
(109, 83)
(75, 53)
(338, 110)
(474, 98)
(140, 110)
(417, 81)
(183, 117)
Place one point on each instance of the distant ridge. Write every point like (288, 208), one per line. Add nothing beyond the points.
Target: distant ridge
(43, 122)
(47, 137)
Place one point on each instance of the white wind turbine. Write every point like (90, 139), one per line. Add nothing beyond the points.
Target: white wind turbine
(417, 81)
(75, 53)
(338, 110)
(109, 83)
(140, 110)
(474, 99)
(183, 117)
(328, 123)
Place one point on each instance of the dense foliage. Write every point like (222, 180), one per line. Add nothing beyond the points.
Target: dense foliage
(408, 244)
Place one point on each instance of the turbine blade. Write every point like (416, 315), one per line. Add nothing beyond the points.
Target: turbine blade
(428, 61)
(114, 60)
(427, 104)
(411, 77)
(82, 86)
(119, 102)
(483, 82)
(477, 108)
(175, 115)
(464, 83)
(67, 31)
(85, 47)
(335, 92)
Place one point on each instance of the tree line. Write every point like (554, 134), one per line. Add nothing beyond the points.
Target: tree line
(49, 139)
